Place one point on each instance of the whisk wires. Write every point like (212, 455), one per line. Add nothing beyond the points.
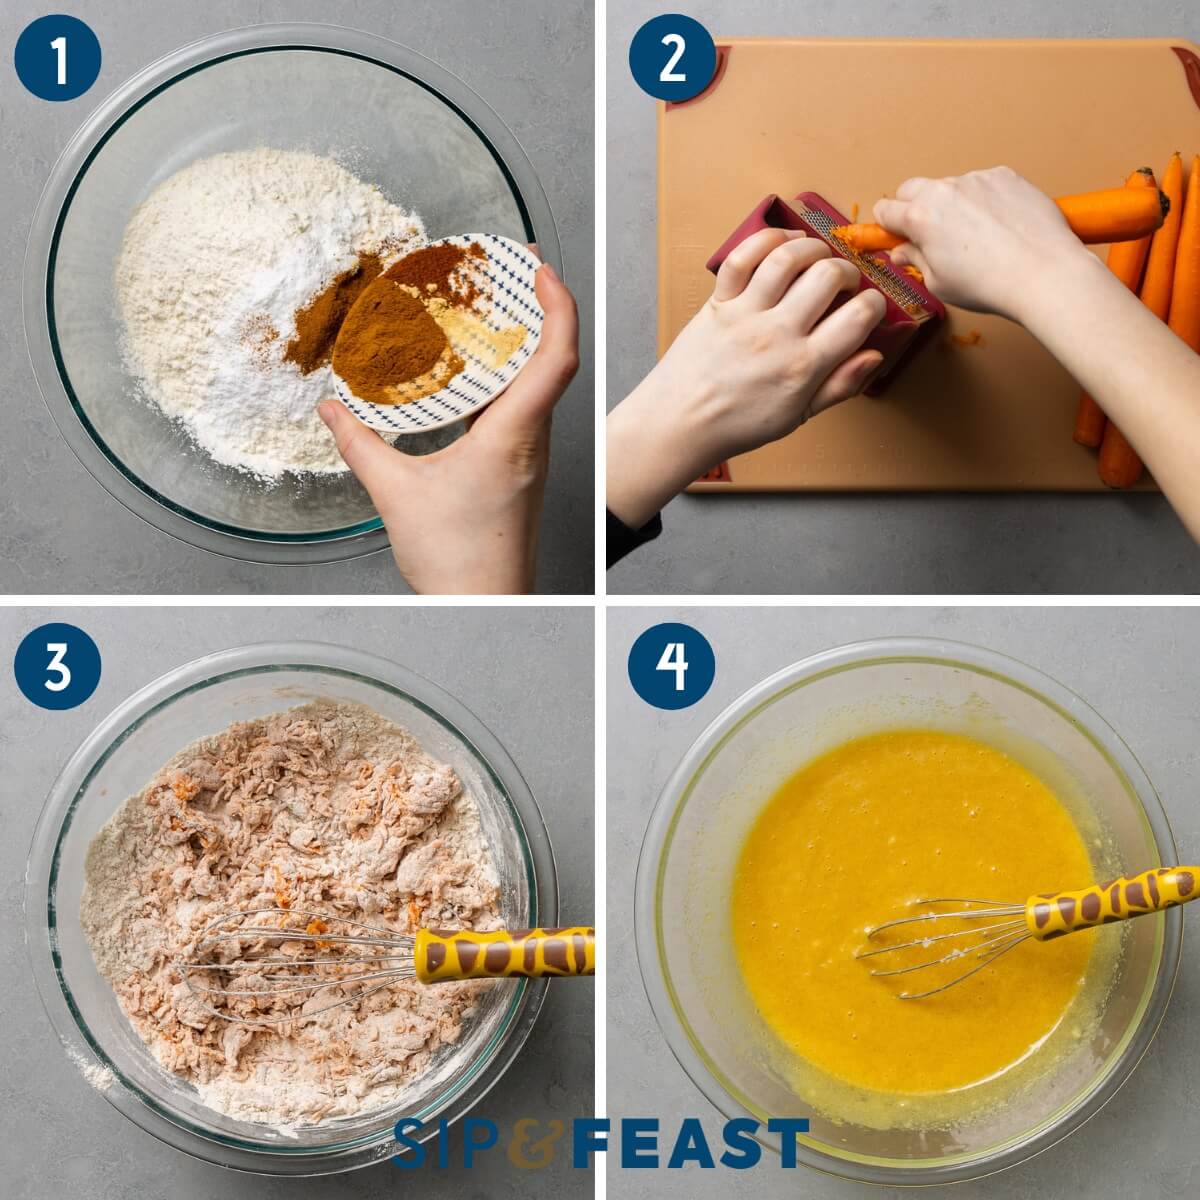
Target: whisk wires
(975, 946)
(236, 959)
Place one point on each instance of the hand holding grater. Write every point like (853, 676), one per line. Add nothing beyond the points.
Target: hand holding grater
(913, 312)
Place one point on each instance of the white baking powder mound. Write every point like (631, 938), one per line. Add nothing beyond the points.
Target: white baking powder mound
(212, 270)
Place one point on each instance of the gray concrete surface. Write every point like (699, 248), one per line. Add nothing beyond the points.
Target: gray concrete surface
(869, 543)
(1145, 682)
(60, 532)
(525, 672)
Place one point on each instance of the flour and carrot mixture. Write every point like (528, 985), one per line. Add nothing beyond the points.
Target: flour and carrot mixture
(325, 807)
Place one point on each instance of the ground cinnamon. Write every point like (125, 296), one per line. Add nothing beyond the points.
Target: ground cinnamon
(412, 327)
(436, 270)
(318, 322)
(388, 339)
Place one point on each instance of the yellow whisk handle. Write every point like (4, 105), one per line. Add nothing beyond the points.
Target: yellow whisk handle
(1052, 914)
(443, 954)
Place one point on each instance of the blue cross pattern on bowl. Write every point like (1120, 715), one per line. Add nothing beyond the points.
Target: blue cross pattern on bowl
(511, 300)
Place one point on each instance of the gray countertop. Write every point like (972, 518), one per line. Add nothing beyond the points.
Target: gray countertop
(525, 672)
(1146, 683)
(868, 543)
(60, 532)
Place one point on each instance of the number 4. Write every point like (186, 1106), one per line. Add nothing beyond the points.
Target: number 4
(670, 75)
(58, 650)
(672, 660)
(59, 45)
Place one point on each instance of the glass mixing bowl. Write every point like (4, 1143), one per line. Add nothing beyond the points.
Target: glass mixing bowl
(397, 119)
(118, 760)
(694, 840)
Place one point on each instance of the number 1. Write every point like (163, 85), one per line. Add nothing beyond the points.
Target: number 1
(59, 45)
(58, 650)
(672, 660)
(670, 75)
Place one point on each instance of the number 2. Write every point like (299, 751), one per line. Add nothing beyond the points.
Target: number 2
(672, 660)
(57, 650)
(59, 45)
(670, 75)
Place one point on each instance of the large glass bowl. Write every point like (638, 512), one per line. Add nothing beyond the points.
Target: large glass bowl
(397, 120)
(697, 830)
(121, 756)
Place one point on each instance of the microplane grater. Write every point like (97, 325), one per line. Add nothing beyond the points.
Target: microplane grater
(884, 277)
(913, 312)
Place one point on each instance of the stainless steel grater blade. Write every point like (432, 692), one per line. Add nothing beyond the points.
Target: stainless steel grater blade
(882, 276)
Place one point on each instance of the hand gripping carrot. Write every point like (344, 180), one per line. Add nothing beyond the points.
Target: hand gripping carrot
(1113, 215)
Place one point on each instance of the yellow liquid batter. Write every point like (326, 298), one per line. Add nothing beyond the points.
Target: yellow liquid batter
(846, 844)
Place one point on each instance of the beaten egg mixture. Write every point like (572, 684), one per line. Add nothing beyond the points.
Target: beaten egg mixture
(846, 844)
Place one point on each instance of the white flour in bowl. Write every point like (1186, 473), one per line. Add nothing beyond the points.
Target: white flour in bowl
(214, 266)
(326, 808)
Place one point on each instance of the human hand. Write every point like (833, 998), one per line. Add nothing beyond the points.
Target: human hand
(465, 519)
(982, 240)
(762, 356)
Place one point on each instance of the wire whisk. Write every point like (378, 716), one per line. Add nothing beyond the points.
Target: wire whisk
(1006, 925)
(267, 966)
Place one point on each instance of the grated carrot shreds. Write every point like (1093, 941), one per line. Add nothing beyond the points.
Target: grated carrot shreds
(971, 338)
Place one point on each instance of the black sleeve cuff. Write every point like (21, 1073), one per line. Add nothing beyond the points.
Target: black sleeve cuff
(621, 539)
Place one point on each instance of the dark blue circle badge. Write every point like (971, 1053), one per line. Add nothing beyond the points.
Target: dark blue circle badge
(57, 57)
(671, 665)
(57, 666)
(672, 57)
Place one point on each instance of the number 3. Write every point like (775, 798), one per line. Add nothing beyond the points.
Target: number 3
(672, 660)
(670, 75)
(57, 650)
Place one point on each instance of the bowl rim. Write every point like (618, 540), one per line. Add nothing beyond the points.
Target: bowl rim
(651, 950)
(66, 793)
(49, 370)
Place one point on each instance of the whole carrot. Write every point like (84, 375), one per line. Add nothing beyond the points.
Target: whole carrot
(1126, 260)
(1160, 266)
(1119, 464)
(1111, 215)
(1114, 215)
(1184, 316)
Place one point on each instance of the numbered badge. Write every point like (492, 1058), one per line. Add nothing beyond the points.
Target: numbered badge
(57, 57)
(672, 57)
(57, 666)
(671, 665)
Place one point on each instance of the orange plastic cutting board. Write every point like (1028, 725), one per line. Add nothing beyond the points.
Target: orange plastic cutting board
(850, 120)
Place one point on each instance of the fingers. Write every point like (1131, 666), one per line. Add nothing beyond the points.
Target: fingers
(372, 460)
(896, 215)
(735, 273)
(847, 380)
(778, 272)
(810, 295)
(908, 255)
(528, 401)
(845, 329)
(910, 187)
